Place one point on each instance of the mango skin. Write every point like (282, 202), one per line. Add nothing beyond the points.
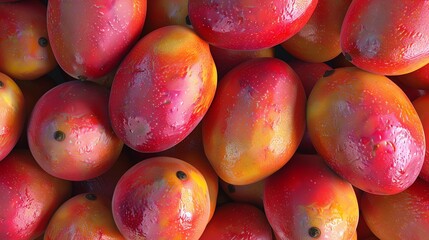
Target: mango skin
(162, 89)
(248, 24)
(163, 13)
(386, 37)
(25, 50)
(418, 79)
(366, 129)
(152, 201)
(227, 59)
(319, 40)
(84, 216)
(309, 74)
(421, 105)
(255, 122)
(306, 194)
(29, 195)
(400, 216)
(191, 150)
(238, 220)
(69, 131)
(89, 38)
(250, 193)
(12, 114)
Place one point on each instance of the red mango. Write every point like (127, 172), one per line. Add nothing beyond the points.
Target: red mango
(400, 216)
(12, 114)
(307, 200)
(69, 131)
(256, 119)
(89, 38)
(191, 151)
(249, 24)
(421, 105)
(161, 13)
(366, 129)
(29, 196)
(32, 91)
(387, 37)
(309, 74)
(162, 89)
(319, 39)
(238, 221)
(25, 48)
(161, 198)
(84, 216)
(418, 79)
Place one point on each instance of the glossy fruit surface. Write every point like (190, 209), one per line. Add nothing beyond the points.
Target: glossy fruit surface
(25, 50)
(309, 74)
(418, 79)
(248, 24)
(29, 196)
(256, 119)
(162, 89)
(400, 216)
(12, 114)
(238, 221)
(161, 198)
(32, 91)
(163, 13)
(84, 216)
(69, 132)
(367, 130)
(319, 39)
(386, 37)
(191, 151)
(421, 105)
(89, 38)
(307, 200)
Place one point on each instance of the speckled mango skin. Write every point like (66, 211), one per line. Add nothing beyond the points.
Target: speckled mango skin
(386, 37)
(88, 146)
(248, 24)
(90, 38)
(400, 216)
(25, 51)
(165, 12)
(306, 194)
(319, 39)
(162, 89)
(29, 195)
(83, 216)
(366, 129)
(151, 201)
(255, 122)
